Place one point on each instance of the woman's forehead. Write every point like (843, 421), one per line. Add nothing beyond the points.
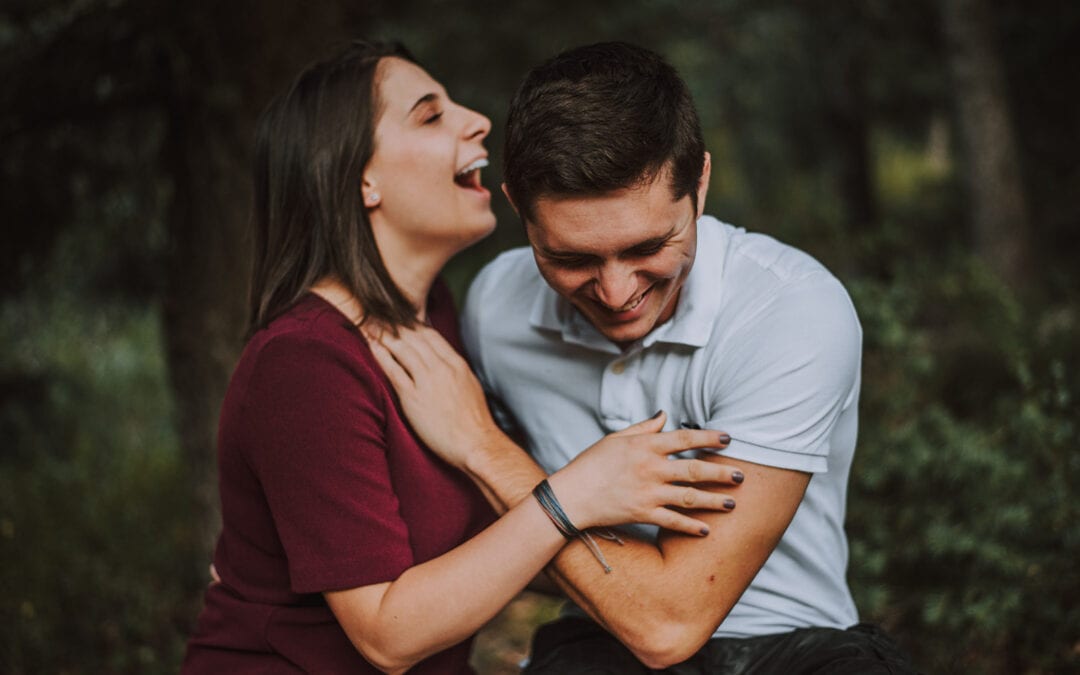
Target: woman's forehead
(403, 85)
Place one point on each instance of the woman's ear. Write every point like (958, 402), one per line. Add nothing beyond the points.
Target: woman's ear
(371, 194)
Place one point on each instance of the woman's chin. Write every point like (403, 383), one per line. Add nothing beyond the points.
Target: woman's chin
(482, 231)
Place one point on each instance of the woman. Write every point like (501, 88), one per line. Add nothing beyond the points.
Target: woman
(346, 546)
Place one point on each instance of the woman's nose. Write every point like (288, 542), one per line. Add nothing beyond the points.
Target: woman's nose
(478, 126)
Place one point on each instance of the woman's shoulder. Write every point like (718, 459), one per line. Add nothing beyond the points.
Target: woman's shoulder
(307, 340)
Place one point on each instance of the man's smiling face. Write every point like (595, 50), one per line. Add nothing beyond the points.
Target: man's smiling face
(620, 258)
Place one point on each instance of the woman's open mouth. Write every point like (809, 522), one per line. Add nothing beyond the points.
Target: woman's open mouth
(469, 177)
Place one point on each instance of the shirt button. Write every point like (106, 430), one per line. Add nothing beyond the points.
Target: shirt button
(618, 367)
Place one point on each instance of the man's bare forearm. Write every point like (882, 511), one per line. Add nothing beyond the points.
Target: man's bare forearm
(664, 600)
(504, 472)
(631, 590)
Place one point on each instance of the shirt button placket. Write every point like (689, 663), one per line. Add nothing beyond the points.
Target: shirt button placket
(614, 405)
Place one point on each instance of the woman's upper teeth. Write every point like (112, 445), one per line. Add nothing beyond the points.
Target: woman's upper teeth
(478, 164)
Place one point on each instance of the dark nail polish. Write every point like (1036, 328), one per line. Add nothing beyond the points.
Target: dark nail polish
(725, 439)
(729, 504)
(737, 477)
(658, 414)
(704, 531)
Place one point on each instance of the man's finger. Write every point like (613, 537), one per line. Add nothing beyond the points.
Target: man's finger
(395, 372)
(409, 350)
(438, 346)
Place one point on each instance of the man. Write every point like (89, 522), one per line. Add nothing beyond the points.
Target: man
(630, 301)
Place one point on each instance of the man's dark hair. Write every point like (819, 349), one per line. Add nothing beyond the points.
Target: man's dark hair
(601, 118)
(312, 144)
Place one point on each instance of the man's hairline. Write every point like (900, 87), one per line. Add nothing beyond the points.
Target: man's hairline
(642, 182)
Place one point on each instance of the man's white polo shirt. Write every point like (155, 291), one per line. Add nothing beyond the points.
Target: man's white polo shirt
(764, 344)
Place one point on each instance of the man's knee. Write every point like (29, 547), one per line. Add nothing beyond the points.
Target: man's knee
(575, 646)
(863, 649)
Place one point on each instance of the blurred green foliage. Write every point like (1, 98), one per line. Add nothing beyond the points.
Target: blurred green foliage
(963, 514)
(95, 527)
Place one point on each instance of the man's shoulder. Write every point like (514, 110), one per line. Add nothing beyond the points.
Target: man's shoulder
(759, 271)
(508, 281)
(510, 263)
(756, 252)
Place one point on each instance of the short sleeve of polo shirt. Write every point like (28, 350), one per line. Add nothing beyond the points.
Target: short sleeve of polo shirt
(787, 372)
(320, 454)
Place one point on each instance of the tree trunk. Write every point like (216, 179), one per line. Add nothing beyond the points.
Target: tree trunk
(1000, 224)
(224, 61)
(849, 126)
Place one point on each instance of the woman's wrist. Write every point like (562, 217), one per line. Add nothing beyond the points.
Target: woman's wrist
(565, 489)
(544, 494)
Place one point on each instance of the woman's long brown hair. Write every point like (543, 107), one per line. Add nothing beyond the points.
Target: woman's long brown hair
(312, 144)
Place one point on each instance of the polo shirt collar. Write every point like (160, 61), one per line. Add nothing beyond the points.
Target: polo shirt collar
(694, 318)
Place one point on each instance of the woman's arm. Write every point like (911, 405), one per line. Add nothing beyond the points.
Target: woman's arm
(439, 603)
(431, 606)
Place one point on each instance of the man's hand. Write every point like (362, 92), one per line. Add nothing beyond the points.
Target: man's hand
(438, 391)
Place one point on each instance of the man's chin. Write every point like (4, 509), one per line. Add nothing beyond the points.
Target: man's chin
(624, 334)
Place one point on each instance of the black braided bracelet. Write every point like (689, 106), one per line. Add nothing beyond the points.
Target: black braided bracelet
(545, 496)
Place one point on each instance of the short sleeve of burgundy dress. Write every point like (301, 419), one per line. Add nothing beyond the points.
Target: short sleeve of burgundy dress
(323, 487)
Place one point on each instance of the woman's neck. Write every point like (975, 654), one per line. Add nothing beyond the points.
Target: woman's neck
(413, 264)
(335, 293)
(411, 274)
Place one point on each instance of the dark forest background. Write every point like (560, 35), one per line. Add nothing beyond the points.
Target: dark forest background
(925, 150)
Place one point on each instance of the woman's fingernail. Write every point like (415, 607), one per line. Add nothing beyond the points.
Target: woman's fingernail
(704, 531)
(725, 439)
(737, 477)
(658, 414)
(729, 504)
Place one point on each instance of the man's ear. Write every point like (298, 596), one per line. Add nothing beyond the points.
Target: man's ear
(509, 199)
(703, 184)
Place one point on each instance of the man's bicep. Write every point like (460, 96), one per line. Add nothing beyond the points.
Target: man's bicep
(722, 564)
(787, 378)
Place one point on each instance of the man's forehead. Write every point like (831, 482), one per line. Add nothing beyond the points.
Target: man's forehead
(612, 221)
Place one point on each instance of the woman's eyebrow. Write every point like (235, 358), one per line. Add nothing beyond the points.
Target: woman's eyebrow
(426, 98)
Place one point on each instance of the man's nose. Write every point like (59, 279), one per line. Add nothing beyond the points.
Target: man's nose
(616, 285)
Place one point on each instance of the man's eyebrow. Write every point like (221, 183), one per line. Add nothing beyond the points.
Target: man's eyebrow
(426, 98)
(654, 241)
(647, 243)
(553, 253)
